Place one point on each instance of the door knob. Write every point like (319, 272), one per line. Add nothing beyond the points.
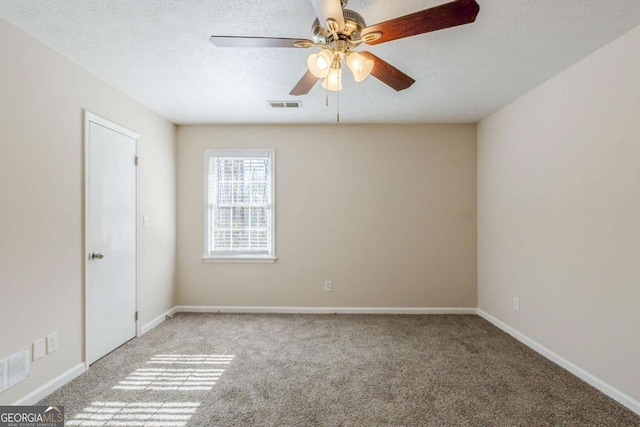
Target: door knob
(95, 255)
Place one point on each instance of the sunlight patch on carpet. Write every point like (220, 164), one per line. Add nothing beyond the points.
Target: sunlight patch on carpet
(127, 414)
(192, 359)
(171, 379)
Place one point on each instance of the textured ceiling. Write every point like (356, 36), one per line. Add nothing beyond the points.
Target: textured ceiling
(158, 52)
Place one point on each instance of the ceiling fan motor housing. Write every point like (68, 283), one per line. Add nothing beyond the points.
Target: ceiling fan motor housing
(353, 26)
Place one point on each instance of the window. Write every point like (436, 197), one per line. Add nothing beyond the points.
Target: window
(239, 206)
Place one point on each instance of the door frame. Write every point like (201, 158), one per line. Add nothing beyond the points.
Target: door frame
(90, 117)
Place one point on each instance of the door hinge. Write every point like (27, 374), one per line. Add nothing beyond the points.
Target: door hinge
(136, 160)
(136, 316)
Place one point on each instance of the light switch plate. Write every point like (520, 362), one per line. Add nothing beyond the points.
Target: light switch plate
(39, 349)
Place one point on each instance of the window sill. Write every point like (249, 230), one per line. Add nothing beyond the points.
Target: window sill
(241, 259)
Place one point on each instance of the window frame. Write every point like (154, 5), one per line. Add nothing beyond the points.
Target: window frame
(249, 258)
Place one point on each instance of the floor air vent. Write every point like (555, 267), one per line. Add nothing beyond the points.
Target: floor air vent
(14, 369)
(18, 367)
(285, 104)
(4, 379)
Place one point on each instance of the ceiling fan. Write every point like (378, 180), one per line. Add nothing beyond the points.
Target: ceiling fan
(338, 31)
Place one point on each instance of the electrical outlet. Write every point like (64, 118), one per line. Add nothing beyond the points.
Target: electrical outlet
(516, 303)
(52, 342)
(38, 349)
(328, 286)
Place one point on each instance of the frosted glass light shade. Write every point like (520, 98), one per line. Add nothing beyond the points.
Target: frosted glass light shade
(333, 81)
(359, 65)
(320, 63)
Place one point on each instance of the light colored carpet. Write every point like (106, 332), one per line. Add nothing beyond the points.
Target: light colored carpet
(331, 370)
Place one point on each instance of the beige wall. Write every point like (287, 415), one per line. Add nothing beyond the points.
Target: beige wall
(386, 212)
(559, 214)
(42, 96)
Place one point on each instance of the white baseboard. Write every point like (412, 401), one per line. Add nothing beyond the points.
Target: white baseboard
(591, 379)
(155, 322)
(324, 310)
(624, 399)
(48, 388)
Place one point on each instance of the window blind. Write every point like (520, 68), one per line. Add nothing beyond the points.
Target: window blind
(239, 204)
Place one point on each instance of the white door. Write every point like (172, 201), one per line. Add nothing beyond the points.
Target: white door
(110, 233)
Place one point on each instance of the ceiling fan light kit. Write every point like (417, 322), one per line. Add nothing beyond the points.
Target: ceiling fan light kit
(319, 63)
(345, 29)
(327, 65)
(333, 81)
(360, 66)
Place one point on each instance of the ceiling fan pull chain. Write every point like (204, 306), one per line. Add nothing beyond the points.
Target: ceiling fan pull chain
(338, 101)
(326, 96)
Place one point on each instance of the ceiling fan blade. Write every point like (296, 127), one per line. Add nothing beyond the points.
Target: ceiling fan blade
(387, 73)
(447, 15)
(306, 83)
(326, 9)
(239, 41)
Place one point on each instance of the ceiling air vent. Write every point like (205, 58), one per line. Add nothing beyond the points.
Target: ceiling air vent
(284, 104)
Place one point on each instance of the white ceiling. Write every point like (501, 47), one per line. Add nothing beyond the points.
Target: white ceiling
(158, 52)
